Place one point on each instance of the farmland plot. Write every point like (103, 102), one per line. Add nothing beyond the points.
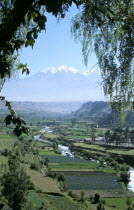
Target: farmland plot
(65, 159)
(92, 182)
(62, 202)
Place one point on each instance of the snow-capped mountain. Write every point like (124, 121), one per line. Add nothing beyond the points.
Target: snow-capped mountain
(55, 84)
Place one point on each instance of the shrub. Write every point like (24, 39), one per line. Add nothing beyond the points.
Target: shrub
(117, 168)
(70, 194)
(49, 173)
(124, 176)
(46, 161)
(100, 206)
(101, 161)
(114, 163)
(58, 151)
(82, 198)
(36, 165)
(96, 198)
(61, 177)
(125, 167)
(6, 152)
(128, 201)
(63, 186)
(91, 198)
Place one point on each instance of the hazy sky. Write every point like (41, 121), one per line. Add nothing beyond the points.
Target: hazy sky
(56, 47)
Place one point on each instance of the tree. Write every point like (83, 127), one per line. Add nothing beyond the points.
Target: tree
(104, 26)
(61, 177)
(15, 183)
(125, 176)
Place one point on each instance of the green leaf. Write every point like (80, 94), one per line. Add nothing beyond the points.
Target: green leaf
(20, 66)
(8, 120)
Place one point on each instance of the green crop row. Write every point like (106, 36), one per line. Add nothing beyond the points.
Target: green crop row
(92, 182)
(64, 159)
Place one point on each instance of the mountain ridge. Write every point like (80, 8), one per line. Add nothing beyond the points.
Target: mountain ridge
(43, 107)
(90, 108)
(61, 85)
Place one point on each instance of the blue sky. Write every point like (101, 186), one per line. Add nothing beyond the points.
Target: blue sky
(56, 47)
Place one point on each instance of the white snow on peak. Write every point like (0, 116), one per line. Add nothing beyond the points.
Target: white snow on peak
(62, 68)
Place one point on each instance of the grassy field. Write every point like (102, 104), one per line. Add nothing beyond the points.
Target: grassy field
(71, 166)
(47, 153)
(63, 202)
(50, 135)
(56, 201)
(3, 160)
(35, 201)
(77, 137)
(106, 193)
(45, 184)
(6, 136)
(71, 169)
(80, 166)
(68, 163)
(118, 203)
(96, 152)
(29, 158)
(6, 142)
(40, 144)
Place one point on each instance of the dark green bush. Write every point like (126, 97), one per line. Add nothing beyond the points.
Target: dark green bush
(96, 197)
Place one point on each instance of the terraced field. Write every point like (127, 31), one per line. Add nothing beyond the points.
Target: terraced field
(59, 163)
(63, 202)
(65, 159)
(82, 174)
(84, 182)
(45, 184)
(104, 149)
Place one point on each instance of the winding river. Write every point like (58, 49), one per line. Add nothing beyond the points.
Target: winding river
(66, 151)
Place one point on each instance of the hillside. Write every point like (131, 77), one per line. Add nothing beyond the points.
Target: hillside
(97, 108)
(44, 107)
(101, 111)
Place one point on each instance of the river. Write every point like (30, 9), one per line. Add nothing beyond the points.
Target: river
(130, 185)
(66, 151)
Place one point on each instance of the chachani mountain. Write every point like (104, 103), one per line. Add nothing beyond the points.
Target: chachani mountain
(55, 85)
